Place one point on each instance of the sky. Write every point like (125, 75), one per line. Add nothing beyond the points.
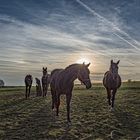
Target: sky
(57, 33)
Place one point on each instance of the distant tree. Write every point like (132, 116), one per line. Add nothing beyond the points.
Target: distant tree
(129, 80)
(1, 83)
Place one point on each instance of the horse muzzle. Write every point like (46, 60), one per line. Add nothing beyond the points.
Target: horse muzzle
(88, 86)
(87, 83)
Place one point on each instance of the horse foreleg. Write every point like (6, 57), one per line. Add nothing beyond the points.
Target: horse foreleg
(43, 90)
(46, 89)
(68, 99)
(113, 97)
(26, 92)
(29, 91)
(109, 96)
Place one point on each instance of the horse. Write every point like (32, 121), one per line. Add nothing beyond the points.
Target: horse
(45, 81)
(62, 82)
(38, 87)
(1, 83)
(112, 81)
(28, 83)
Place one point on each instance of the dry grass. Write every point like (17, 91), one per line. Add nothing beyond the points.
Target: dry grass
(90, 115)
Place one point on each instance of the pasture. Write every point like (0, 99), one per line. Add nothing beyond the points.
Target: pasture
(33, 118)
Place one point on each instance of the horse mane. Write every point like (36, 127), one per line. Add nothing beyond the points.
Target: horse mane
(55, 71)
(72, 65)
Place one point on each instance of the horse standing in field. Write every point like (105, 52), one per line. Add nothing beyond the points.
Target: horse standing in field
(28, 83)
(112, 81)
(45, 81)
(38, 87)
(62, 82)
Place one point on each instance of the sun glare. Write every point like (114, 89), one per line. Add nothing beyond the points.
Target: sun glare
(83, 60)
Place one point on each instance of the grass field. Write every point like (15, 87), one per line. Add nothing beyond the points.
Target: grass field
(91, 119)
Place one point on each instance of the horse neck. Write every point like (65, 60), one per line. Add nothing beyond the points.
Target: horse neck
(45, 75)
(71, 74)
(110, 69)
(112, 74)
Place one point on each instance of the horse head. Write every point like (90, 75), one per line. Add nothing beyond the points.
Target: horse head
(44, 71)
(114, 68)
(83, 75)
(37, 81)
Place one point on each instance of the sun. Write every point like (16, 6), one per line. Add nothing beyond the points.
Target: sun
(83, 60)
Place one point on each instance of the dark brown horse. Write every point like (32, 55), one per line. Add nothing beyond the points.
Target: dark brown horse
(45, 81)
(38, 87)
(62, 82)
(112, 81)
(28, 83)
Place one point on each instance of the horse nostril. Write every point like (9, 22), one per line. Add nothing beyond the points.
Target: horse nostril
(88, 86)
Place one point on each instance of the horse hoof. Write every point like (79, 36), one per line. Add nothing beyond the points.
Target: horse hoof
(69, 123)
(54, 109)
(111, 109)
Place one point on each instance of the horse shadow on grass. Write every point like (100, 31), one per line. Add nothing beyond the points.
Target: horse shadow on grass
(41, 124)
(130, 125)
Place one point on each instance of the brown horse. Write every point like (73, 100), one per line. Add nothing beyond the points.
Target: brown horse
(112, 81)
(45, 81)
(62, 82)
(28, 83)
(38, 87)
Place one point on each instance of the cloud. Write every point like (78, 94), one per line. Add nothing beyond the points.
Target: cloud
(114, 28)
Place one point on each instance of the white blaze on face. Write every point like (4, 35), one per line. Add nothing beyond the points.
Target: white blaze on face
(83, 60)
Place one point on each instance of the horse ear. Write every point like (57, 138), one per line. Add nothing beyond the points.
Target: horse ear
(118, 62)
(111, 61)
(83, 63)
(88, 65)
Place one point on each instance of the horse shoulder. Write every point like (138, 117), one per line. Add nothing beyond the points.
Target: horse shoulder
(105, 77)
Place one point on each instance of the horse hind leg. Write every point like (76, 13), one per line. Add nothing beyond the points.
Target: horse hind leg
(57, 105)
(53, 98)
